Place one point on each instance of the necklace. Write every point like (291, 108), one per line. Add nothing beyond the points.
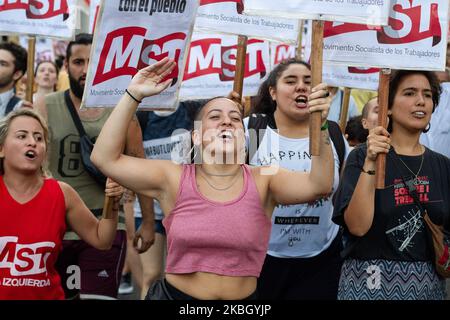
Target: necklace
(224, 188)
(418, 171)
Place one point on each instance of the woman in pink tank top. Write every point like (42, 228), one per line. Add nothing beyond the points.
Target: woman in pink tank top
(34, 210)
(217, 210)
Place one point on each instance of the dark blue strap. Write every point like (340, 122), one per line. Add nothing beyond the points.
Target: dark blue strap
(11, 104)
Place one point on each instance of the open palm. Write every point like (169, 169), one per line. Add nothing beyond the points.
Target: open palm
(147, 82)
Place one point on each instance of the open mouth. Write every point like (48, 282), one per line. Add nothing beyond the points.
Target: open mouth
(419, 114)
(30, 155)
(300, 101)
(226, 135)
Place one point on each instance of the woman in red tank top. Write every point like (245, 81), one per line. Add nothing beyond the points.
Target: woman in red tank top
(34, 211)
(218, 189)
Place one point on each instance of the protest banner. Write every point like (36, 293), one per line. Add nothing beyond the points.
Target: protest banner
(211, 65)
(94, 7)
(130, 36)
(44, 49)
(51, 18)
(369, 12)
(351, 77)
(225, 16)
(414, 39)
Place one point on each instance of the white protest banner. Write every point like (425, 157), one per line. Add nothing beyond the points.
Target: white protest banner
(351, 77)
(282, 51)
(94, 7)
(43, 50)
(333, 75)
(416, 38)
(370, 12)
(129, 37)
(210, 67)
(225, 16)
(52, 18)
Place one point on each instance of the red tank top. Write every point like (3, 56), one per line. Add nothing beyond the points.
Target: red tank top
(30, 241)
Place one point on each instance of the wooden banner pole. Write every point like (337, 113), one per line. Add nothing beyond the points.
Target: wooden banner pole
(315, 120)
(383, 97)
(30, 68)
(344, 109)
(299, 51)
(238, 84)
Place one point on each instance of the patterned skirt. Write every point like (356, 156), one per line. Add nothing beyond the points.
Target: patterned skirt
(389, 280)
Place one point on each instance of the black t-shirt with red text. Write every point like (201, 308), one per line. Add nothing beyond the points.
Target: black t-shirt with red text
(398, 230)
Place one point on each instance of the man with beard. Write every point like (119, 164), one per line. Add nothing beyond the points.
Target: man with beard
(100, 270)
(13, 65)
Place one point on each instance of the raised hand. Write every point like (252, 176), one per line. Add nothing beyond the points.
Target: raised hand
(147, 82)
(320, 100)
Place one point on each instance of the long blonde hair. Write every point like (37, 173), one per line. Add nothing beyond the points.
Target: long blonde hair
(5, 123)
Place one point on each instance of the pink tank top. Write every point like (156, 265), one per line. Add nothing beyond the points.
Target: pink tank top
(226, 238)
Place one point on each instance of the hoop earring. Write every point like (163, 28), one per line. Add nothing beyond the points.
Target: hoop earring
(427, 128)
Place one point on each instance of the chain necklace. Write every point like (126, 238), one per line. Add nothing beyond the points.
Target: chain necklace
(418, 171)
(221, 189)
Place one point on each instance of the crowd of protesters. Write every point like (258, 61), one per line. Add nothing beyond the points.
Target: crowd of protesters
(222, 215)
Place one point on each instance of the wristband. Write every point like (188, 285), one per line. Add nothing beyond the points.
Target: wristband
(324, 126)
(132, 97)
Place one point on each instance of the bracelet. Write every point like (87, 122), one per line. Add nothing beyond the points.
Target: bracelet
(132, 97)
(324, 126)
(369, 172)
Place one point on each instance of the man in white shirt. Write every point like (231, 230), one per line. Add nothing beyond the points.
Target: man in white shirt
(13, 65)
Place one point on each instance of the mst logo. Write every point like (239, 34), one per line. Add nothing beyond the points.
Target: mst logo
(126, 51)
(24, 259)
(38, 9)
(409, 21)
(209, 56)
(283, 52)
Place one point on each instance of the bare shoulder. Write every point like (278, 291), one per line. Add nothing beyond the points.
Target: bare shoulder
(68, 192)
(264, 173)
(261, 175)
(173, 171)
(170, 184)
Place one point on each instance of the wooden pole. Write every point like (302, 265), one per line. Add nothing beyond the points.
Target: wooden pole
(30, 68)
(344, 109)
(108, 205)
(241, 56)
(315, 120)
(383, 97)
(299, 51)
